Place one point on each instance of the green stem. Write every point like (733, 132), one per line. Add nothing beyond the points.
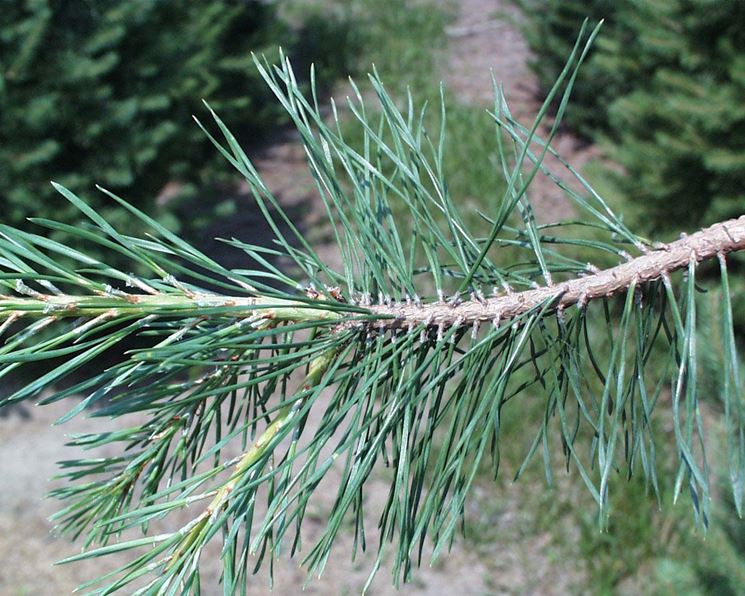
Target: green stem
(164, 304)
(317, 369)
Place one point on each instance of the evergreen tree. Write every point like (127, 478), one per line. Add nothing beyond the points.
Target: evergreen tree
(550, 30)
(679, 133)
(663, 88)
(110, 87)
(411, 353)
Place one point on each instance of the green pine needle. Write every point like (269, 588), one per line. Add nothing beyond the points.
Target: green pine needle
(407, 356)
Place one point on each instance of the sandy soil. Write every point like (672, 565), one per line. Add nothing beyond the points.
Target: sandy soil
(30, 445)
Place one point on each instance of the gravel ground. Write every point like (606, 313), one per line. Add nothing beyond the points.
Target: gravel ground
(480, 41)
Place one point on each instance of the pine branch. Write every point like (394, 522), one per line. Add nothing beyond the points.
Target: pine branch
(714, 241)
(191, 532)
(238, 358)
(121, 304)
(718, 239)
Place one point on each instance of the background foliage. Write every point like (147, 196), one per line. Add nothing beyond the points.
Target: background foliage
(663, 89)
(103, 92)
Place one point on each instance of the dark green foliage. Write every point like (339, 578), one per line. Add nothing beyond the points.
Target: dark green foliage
(103, 92)
(681, 133)
(664, 87)
(550, 30)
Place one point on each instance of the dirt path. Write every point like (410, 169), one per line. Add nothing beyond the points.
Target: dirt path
(484, 40)
(479, 41)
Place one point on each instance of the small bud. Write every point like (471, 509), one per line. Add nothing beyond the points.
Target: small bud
(336, 293)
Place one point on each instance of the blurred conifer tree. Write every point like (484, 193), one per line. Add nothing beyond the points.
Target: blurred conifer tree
(106, 89)
(664, 87)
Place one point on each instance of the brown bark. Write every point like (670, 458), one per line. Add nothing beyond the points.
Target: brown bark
(715, 241)
(719, 239)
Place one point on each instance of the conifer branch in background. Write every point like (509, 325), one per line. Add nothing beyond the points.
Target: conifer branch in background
(248, 386)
